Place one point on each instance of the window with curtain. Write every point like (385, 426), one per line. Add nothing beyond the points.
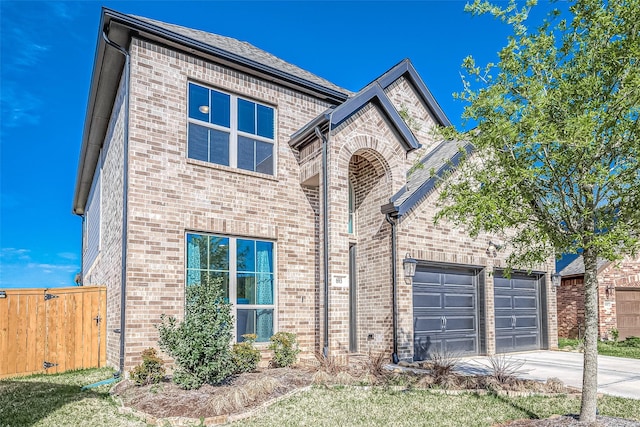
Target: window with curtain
(231, 131)
(246, 267)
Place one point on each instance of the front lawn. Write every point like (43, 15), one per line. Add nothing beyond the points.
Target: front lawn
(629, 348)
(56, 400)
(380, 407)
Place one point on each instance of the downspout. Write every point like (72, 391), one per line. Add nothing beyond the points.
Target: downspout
(325, 231)
(125, 185)
(394, 269)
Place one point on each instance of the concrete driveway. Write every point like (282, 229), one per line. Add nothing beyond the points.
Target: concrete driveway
(616, 376)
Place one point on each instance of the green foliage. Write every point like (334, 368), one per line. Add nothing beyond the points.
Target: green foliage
(557, 159)
(150, 371)
(245, 355)
(200, 345)
(630, 342)
(285, 349)
(615, 334)
(556, 133)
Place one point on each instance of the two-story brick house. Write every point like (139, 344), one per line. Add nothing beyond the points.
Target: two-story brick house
(206, 156)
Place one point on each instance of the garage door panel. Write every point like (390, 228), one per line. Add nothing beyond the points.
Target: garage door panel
(525, 302)
(427, 324)
(461, 324)
(459, 301)
(426, 277)
(529, 322)
(504, 322)
(427, 300)
(461, 345)
(502, 302)
(526, 342)
(501, 282)
(525, 284)
(459, 280)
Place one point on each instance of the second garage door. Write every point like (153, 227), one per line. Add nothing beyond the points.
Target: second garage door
(445, 311)
(517, 312)
(628, 312)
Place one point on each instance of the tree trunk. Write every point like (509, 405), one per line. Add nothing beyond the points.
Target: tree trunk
(590, 368)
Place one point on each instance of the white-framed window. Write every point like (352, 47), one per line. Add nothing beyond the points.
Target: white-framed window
(229, 130)
(246, 267)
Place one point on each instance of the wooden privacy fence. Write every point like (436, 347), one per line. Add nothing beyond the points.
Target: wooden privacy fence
(52, 330)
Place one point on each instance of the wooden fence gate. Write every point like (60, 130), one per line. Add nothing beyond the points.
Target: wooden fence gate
(52, 330)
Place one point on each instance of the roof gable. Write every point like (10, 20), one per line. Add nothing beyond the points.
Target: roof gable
(375, 92)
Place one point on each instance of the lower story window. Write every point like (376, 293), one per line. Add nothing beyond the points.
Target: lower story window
(246, 269)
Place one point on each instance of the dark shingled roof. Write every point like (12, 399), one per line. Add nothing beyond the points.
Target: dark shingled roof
(445, 157)
(576, 267)
(245, 50)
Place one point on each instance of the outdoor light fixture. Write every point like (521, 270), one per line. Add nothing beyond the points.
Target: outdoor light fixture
(608, 291)
(556, 279)
(409, 265)
(3, 294)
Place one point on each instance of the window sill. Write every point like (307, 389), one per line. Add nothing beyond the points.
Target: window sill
(201, 163)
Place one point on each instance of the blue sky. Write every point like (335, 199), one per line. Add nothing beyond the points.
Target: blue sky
(47, 51)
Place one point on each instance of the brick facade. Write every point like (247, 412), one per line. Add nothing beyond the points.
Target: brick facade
(169, 194)
(624, 274)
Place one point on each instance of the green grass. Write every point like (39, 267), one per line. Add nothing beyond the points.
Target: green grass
(56, 400)
(378, 407)
(628, 348)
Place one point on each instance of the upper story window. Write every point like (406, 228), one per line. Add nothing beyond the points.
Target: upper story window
(228, 130)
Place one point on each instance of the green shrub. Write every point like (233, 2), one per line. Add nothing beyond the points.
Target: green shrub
(615, 334)
(630, 342)
(285, 349)
(150, 371)
(245, 355)
(200, 345)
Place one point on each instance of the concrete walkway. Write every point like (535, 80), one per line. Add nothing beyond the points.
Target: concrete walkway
(616, 376)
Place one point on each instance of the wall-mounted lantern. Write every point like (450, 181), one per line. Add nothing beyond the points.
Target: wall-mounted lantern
(556, 279)
(409, 265)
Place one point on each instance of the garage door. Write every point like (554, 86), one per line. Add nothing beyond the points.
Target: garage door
(517, 313)
(628, 312)
(445, 311)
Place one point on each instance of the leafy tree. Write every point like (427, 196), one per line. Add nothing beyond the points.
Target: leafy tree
(200, 345)
(555, 166)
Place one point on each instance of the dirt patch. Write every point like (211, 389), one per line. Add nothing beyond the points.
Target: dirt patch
(240, 394)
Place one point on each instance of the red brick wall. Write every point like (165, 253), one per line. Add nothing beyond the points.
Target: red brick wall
(570, 297)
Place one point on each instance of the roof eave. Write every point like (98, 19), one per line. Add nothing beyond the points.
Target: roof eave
(107, 68)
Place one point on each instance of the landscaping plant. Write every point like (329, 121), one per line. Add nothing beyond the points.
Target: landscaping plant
(200, 344)
(150, 371)
(285, 349)
(245, 355)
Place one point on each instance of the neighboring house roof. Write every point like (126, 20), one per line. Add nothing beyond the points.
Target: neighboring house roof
(108, 66)
(442, 159)
(576, 267)
(374, 92)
